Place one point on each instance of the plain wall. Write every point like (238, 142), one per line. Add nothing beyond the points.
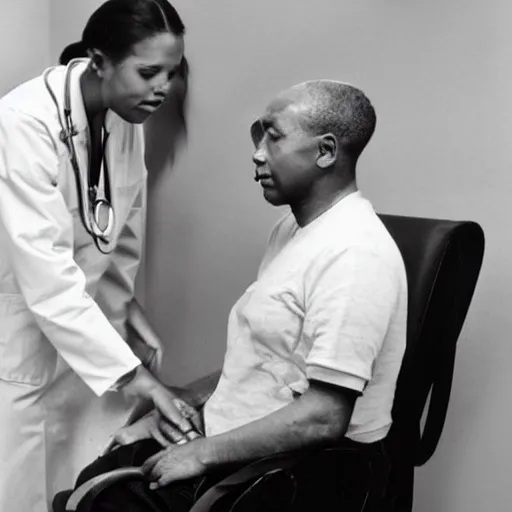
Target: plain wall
(24, 28)
(439, 74)
(67, 20)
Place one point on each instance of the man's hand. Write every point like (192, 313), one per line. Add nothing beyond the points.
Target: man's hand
(177, 462)
(188, 412)
(318, 418)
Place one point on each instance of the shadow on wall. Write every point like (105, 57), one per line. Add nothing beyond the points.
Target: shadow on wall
(166, 129)
(164, 132)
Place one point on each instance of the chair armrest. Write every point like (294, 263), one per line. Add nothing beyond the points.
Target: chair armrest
(85, 494)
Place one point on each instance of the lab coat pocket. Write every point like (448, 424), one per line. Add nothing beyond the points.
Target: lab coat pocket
(26, 356)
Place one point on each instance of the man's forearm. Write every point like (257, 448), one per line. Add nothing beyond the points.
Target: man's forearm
(319, 417)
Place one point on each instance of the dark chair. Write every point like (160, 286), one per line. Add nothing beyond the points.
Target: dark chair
(442, 260)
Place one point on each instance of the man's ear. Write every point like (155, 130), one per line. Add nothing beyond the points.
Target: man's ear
(327, 151)
(256, 133)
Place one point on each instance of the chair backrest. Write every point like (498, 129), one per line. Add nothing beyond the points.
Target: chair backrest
(442, 260)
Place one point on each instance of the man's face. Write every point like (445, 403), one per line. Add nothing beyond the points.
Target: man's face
(285, 154)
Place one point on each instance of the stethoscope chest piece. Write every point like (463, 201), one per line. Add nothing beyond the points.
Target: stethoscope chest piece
(102, 215)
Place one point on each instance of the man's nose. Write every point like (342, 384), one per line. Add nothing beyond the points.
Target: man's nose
(258, 157)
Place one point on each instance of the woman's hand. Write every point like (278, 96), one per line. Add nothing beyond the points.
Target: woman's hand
(174, 419)
(145, 428)
(147, 387)
(153, 426)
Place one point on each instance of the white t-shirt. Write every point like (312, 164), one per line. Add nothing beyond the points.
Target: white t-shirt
(329, 303)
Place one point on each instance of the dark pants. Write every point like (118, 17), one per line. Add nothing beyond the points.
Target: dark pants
(349, 478)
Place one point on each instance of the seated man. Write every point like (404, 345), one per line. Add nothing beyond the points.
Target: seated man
(314, 345)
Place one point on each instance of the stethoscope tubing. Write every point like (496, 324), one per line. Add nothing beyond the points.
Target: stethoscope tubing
(90, 216)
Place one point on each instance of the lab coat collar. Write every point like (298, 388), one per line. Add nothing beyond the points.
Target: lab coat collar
(78, 113)
(81, 139)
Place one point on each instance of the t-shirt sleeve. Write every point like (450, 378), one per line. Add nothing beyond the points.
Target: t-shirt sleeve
(350, 297)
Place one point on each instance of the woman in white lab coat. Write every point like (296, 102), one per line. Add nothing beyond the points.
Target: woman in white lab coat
(72, 202)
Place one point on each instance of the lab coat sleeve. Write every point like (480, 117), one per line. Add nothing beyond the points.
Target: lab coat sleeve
(117, 285)
(39, 244)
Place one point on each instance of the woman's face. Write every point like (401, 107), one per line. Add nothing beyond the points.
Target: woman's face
(136, 86)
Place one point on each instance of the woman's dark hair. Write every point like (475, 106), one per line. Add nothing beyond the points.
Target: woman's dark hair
(114, 28)
(117, 25)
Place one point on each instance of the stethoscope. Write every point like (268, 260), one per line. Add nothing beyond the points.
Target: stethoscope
(90, 205)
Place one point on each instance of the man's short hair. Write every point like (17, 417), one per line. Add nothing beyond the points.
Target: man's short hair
(342, 110)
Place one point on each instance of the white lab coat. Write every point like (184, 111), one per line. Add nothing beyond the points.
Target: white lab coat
(62, 302)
